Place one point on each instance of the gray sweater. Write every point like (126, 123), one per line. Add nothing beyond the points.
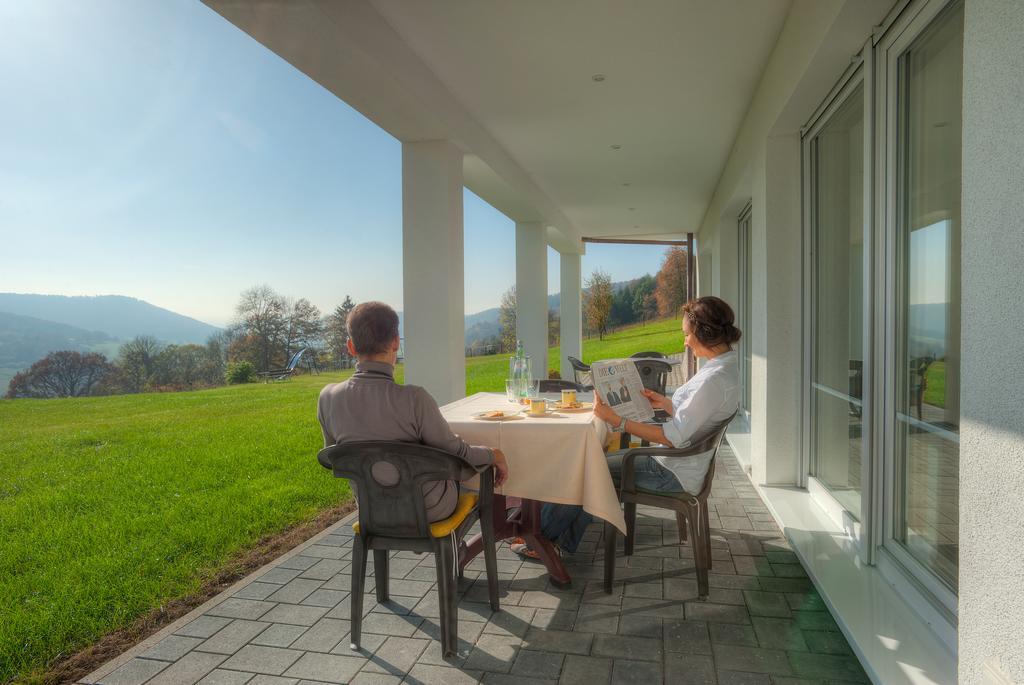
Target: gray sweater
(371, 406)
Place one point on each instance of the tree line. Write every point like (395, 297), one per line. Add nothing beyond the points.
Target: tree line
(605, 306)
(266, 331)
(268, 328)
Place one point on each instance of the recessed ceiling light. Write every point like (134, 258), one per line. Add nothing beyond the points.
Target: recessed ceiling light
(616, 147)
(598, 77)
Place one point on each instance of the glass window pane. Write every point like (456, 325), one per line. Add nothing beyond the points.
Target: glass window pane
(838, 369)
(928, 295)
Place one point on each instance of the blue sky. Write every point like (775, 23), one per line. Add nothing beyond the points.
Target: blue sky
(151, 149)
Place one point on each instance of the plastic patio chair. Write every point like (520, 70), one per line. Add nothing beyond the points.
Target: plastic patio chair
(558, 385)
(394, 517)
(581, 373)
(691, 510)
(653, 373)
(649, 355)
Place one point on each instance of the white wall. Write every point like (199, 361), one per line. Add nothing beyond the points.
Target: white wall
(991, 613)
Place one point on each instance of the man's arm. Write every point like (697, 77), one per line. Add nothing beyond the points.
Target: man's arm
(435, 432)
(328, 438)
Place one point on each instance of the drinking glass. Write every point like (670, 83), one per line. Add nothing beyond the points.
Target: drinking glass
(512, 390)
(533, 389)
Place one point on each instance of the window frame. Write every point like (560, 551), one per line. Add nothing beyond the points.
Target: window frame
(874, 535)
(936, 600)
(857, 74)
(744, 262)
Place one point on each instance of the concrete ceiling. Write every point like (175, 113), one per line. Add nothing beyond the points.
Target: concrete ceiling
(511, 83)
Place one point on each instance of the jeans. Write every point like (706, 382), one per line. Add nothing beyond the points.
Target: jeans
(564, 524)
(650, 475)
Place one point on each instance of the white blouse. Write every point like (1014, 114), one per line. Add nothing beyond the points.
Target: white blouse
(704, 401)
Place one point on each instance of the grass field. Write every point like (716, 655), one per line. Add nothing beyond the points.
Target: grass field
(935, 388)
(110, 506)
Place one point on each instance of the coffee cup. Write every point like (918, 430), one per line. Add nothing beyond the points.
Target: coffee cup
(538, 407)
(568, 398)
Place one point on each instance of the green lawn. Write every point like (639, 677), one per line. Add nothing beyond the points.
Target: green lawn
(489, 373)
(111, 505)
(935, 387)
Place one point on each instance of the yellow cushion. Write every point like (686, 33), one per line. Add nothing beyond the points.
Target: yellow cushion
(440, 529)
(467, 501)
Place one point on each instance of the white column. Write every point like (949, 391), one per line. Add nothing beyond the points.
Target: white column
(776, 333)
(571, 312)
(432, 261)
(532, 293)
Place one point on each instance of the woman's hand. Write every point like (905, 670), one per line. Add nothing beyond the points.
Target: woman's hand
(500, 468)
(659, 401)
(604, 412)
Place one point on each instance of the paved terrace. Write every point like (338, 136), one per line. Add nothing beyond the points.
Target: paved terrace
(763, 623)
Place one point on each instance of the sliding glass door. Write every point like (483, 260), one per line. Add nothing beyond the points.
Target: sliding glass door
(882, 186)
(924, 410)
(837, 229)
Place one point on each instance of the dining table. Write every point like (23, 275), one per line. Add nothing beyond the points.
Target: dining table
(558, 458)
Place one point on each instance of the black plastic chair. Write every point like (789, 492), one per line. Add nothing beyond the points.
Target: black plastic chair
(653, 374)
(648, 355)
(691, 510)
(394, 517)
(580, 372)
(558, 385)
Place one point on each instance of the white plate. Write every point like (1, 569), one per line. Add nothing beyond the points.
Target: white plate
(586, 406)
(482, 416)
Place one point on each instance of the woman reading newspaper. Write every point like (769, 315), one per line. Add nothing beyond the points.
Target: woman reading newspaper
(695, 408)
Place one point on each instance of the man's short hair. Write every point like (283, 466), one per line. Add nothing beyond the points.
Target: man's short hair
(373, 327)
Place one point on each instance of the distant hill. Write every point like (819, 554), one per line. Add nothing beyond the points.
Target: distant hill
(24, 340)
(115, 315)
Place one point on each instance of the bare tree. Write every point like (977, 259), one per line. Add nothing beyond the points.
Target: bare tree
(507, 320)
(671, 288)
(61, 374)
(597, 302)
(304, 327)
(262, 315)
(137, 359)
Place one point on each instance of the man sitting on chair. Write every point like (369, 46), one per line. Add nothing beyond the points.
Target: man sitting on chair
(371, 406)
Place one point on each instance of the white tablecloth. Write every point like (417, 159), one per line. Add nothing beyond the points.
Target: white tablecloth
(558, 460)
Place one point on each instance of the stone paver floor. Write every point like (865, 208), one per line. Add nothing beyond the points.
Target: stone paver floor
(763, 623)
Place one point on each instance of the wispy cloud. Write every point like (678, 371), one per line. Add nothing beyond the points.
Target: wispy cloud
(243, 131)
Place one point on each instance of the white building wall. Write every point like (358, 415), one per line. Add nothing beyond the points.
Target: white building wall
(991, 612)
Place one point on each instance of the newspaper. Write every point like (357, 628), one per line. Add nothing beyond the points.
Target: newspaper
(618, 384)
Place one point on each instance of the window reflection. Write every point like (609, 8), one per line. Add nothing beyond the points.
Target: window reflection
(928, 296)
(838, 372)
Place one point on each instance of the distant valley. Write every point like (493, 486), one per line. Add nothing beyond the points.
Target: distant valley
(32, 326)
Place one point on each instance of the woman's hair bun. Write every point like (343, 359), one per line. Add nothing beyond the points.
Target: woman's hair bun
(712, 321)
